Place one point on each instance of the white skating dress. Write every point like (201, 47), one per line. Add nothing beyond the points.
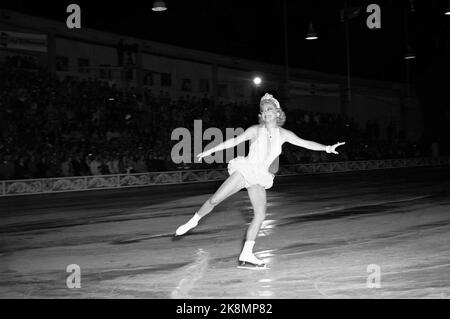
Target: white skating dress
(255, 166)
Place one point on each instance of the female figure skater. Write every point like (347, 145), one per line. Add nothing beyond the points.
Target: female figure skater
(252, 172)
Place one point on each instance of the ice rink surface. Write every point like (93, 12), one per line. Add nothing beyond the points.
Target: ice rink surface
(325, 236)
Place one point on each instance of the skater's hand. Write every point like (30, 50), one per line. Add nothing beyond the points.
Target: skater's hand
(204, 154)
(332, 148)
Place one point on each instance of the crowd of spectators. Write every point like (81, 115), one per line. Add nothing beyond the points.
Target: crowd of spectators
(53, 127)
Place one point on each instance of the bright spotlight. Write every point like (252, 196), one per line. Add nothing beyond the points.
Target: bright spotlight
(159, 6)
(257, 80)
(311, 35)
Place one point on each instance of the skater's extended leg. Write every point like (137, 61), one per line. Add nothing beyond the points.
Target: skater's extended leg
(230, 186)
(257, 196)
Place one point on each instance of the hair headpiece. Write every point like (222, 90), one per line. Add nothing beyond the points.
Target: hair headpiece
(270, 98)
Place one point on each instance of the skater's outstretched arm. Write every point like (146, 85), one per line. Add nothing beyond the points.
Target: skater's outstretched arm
(290, 137)
(232, 142)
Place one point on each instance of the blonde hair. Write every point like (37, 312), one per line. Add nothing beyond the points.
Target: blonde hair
(281, 116)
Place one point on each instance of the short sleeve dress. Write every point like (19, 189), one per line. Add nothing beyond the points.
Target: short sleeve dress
(264, 149)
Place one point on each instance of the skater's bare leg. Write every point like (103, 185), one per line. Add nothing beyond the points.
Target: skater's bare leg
(230, 186)
(258, 199)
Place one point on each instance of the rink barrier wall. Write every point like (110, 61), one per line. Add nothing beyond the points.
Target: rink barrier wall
(99, 182)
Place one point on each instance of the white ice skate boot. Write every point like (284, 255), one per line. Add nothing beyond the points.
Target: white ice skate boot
(183, 229)
(251, 262)
(248, 260)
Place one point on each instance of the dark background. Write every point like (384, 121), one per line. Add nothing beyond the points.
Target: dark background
(255, 30)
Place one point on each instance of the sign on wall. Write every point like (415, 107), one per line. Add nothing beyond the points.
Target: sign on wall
(23, 41)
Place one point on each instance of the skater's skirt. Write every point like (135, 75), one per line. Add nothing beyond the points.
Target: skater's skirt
(253, 173)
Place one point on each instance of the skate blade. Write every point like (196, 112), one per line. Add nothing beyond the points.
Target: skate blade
(248, 265)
